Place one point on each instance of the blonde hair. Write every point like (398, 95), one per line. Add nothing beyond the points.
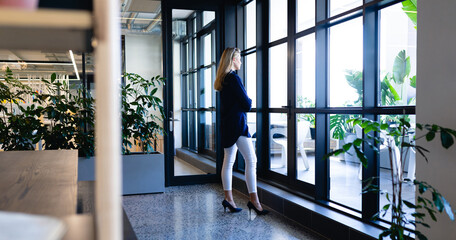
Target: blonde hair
(226, 62)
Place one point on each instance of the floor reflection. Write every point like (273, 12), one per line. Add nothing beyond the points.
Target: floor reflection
(195, 212)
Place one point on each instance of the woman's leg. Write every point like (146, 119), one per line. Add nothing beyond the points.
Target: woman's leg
(245, 146)
(227, 172)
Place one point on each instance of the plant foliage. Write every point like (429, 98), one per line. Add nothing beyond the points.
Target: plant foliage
(140, 105)
(427, 204)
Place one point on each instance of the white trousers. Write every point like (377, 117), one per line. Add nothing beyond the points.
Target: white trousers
(245, 146)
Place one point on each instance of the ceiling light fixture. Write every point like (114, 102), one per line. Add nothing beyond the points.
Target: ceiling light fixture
(74, 65)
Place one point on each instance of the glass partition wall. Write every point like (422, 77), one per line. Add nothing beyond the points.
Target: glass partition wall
(311, 67)
(193, 93)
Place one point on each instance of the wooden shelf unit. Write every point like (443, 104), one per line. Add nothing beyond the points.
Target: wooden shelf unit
(46, 29)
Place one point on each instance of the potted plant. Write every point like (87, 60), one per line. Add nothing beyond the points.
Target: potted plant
(142, 111)
(58, 107)
(20, 128)
(396, 134)
(305, 102)
(343, 130)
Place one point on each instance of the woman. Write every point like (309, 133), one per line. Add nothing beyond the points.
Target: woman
(235, 133)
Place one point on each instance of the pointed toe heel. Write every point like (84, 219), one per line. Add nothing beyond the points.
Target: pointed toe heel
(232, 209)
(258, 212)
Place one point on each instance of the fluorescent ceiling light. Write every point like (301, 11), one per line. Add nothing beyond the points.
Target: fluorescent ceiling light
(74, 65)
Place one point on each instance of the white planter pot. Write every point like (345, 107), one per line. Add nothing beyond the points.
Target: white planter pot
(350, 155)
(141, 173)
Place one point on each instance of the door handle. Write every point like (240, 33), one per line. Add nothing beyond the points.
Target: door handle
(171, 121)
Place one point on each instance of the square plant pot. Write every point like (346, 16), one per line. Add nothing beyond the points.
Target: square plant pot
(141, 173)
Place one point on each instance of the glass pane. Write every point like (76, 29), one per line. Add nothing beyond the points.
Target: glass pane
(195, 91)
(195, 64)
(340, 6)
(213, 47)
(305, 14)
(408, 159)
(193, 131)
(397, 57)
(251, 123)
(214, 95)
(194, 25)
(207, 90)
(250, 24)
(278, 73)
(190, 92)
(345, 169)
(192, 98)
(305, 149)
(250, 77)
(207, 49)
(278, 19)
(186, 65)
(346, 64)
(278, 143)
(208, 16)
(305, 71)
(185, 129)
(209, 138)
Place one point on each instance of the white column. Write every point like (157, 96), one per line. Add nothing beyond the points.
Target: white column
(108, 201)
(435, 103)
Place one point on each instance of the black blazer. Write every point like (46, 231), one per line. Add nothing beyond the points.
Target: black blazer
(234, 105)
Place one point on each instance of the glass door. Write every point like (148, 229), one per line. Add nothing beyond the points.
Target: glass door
(191, 102)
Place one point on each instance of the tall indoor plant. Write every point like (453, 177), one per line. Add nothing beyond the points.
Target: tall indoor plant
(142, 114)
(394, 134)
(20, 127)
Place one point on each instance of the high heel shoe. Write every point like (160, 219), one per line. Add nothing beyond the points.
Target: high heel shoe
(258, 212)
(232, 209)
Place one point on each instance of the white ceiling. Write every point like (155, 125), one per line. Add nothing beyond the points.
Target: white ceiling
(181, 13)
(137, 17)
(27, 63)
(140, 17)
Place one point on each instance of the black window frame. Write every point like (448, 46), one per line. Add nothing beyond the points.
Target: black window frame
(193, 138)
(369, 11)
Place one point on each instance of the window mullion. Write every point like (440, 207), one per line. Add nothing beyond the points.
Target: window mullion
(321, 101)
(370, 200)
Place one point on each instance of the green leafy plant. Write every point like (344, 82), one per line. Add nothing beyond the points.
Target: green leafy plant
(355, 80)
(69, 118)
(304, 102)
(84, 120)
(340, 125)
(139, 121)
(19, 127)
(397, 133)
(59, 107)
(409, 7)
(392, 95)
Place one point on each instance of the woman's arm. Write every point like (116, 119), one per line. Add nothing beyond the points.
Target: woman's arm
(240, 94)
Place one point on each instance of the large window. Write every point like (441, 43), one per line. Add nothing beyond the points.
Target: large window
(198, 75)
(322, 63)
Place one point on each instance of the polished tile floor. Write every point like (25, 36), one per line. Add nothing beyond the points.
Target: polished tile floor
(195, 212)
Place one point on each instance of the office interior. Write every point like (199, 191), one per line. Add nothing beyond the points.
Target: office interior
(308, 66)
